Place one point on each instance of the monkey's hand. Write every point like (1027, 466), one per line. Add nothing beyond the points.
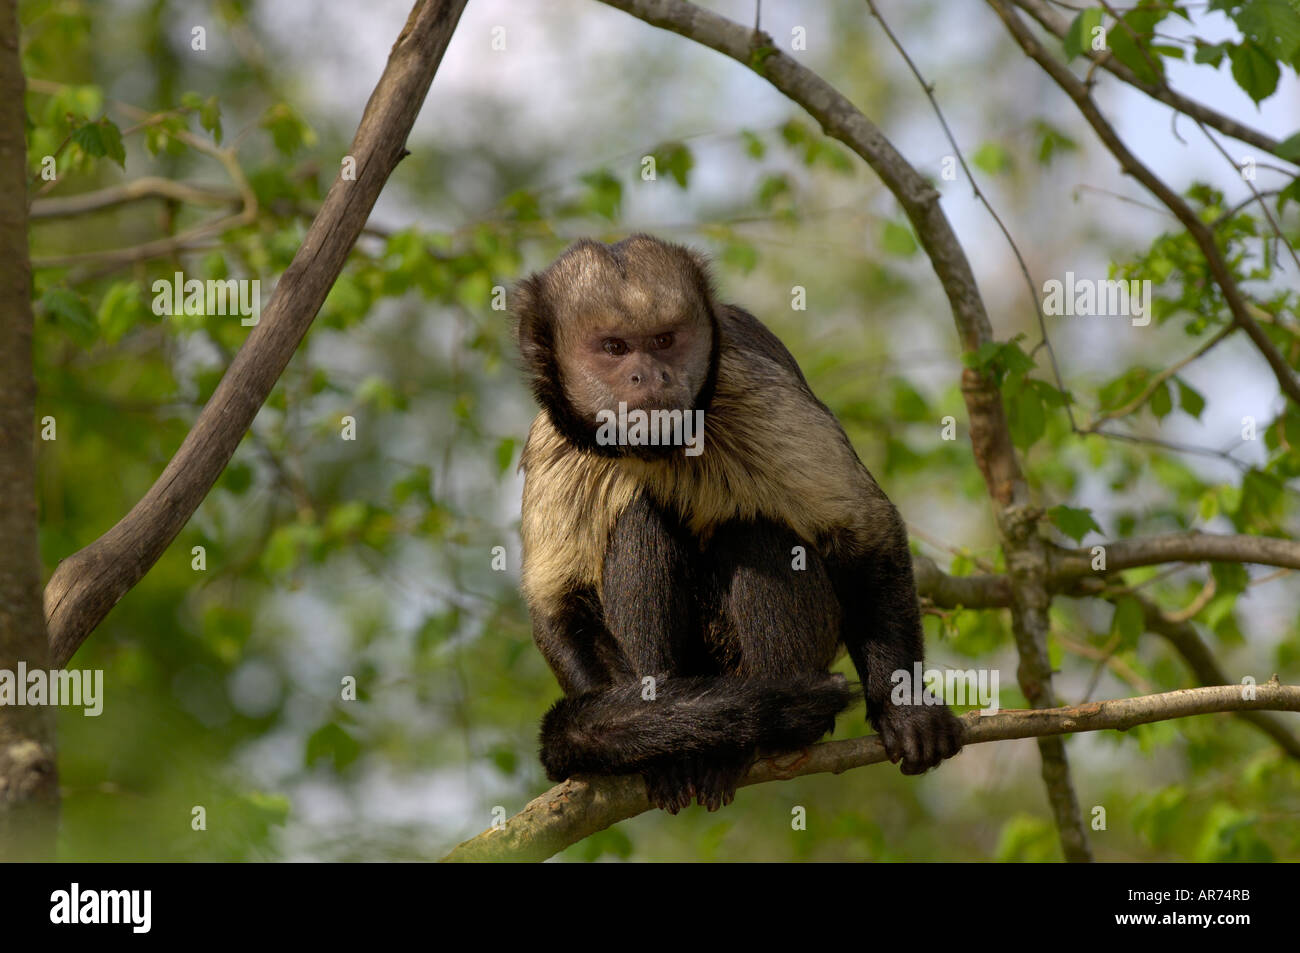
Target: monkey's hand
(918, 737)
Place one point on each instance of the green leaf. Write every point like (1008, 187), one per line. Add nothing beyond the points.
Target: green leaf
(741, 255)
(1254, 70)
(101, 139)
(1128, 622)
(1211, 53)
(1133, 51)
(1027, 419)
(1078, 37)
(71, 312)
(505, 453)
(330, 742)
(289, 132)
(754, 146)
(992, 157)
(604, 194)
(1190, 399)
(347, 518)
(1073, 522)
(237, 478)
(121, 308)
(772, 187)
(897, 239)
(1162, 401)
(1229, 577)
(675, 159)
(1273, 24)
(1289, 148)
(1051, 141)
(210, 117)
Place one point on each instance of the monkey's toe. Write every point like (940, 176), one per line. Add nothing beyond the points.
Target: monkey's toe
(668, 787)
(716, 779)
(709, 780)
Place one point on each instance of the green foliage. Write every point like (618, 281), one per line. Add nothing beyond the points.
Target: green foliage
(993, 158)
(1027, 839)
(897, 239)
(1078, 38)
(1074, 522)
(101, 139)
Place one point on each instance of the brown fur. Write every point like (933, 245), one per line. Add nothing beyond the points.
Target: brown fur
(770, 450)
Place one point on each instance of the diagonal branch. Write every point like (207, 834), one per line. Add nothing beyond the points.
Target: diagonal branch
(1058, 26)
(87, 584)
(578, 808)
(1200, 232)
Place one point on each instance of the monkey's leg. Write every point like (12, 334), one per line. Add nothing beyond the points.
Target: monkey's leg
(573, 640)
(776, 620)
(882, 631)
(648, 596)
(647, 593)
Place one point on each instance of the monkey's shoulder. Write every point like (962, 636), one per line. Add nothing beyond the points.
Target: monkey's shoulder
(744, 334)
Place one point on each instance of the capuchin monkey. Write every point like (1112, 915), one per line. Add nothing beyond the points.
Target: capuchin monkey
(690, 596)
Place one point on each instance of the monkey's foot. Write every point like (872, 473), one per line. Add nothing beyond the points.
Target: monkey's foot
(918, 737)
(709, 779)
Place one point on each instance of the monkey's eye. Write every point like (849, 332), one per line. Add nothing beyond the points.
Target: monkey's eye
(615, 347)
(662, 341)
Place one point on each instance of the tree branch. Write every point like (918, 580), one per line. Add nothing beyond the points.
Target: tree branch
(1057, 25)
(1200, 232)
(1068, 564)
(86, 585)
(578, 808)
(990, 436)
(979, 591)
(143, 188)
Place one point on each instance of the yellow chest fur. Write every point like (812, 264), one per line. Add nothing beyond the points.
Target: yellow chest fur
(785, 459)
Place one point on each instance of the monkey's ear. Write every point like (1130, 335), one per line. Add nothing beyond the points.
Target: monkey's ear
(533, 325)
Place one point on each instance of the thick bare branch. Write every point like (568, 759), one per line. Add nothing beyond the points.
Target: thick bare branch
(980, 591)
(1067, 564)
(86, 585)
(578, 808)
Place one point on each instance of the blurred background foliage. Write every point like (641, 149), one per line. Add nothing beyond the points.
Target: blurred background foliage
(372, 558)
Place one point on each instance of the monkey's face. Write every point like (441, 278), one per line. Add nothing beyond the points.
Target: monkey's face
(612, 329)
(611, 363)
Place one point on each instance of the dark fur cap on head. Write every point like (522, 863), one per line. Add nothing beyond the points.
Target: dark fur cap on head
(640, 281)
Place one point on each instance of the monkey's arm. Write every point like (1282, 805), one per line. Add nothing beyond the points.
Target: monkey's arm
(882, 632)
(573, 641)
